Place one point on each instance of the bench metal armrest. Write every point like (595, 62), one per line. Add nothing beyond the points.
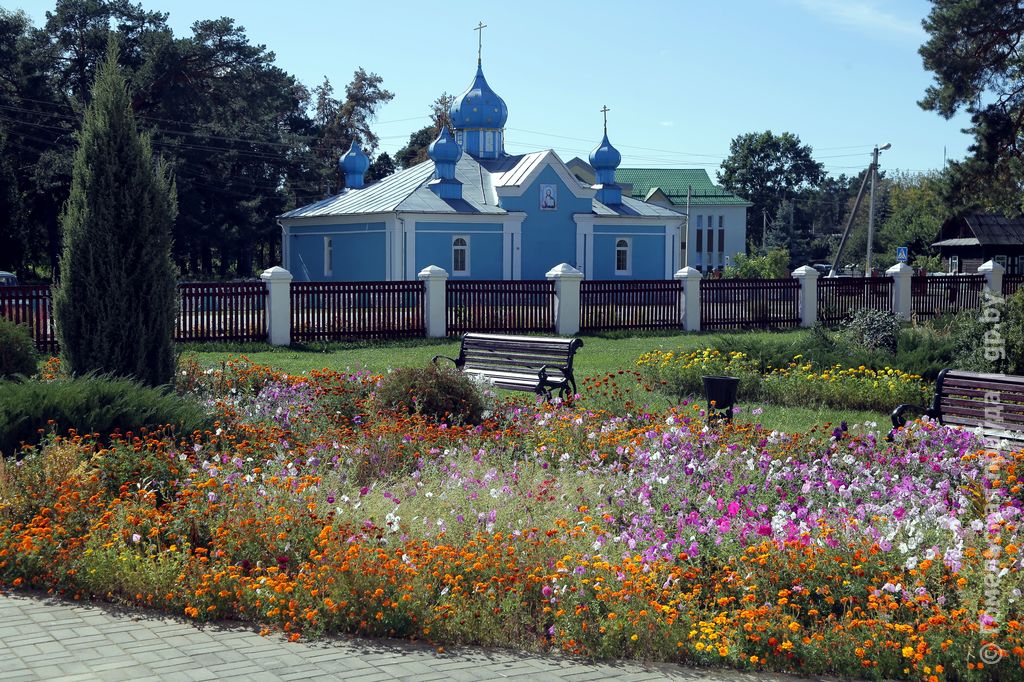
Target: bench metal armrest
(543, 372)
(898, 420)
(445, 357)
(568, 380)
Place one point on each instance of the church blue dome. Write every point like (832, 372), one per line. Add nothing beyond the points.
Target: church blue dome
(355, 161)
(445, 149)
(479, 106)
(605, 156)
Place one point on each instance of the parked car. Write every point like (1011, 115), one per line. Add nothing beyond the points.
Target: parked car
(8, 279)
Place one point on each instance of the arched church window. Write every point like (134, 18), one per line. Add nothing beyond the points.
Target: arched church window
(622, 261)
(460, 255)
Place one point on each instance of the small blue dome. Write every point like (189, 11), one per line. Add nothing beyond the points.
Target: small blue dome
(445, 149)
(605, 156)
(355, 162)
(479, 106)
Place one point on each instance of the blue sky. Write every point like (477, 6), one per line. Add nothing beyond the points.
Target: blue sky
(682, 78)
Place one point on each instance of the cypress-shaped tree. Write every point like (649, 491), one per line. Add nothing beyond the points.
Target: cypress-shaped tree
(115, 301)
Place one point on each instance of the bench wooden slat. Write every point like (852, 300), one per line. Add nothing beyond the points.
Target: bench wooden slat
(1007, 412)
(547, 358)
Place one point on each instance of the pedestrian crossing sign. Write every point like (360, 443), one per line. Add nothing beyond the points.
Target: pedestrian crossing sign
(902, 254)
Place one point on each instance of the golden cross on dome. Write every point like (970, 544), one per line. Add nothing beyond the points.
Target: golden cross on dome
(605, 110)
(480, 40)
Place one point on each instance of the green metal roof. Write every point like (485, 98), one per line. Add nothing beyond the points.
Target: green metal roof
(674, 183)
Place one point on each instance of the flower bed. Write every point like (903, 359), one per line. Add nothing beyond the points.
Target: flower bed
(548, 526)
(797, 384)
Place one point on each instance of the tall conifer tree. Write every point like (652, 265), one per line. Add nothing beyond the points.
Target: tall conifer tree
(115, 302)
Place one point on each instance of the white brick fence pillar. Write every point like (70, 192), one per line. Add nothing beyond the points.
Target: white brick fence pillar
(567, 281)
(993, 272)
(902, 276)
(808, 278)
(279, 305)
(690, 314)
(435, 281)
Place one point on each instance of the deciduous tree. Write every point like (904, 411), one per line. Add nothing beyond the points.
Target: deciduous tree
(765, 169)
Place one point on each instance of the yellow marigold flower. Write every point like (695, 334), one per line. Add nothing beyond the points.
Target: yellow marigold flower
(908, 652)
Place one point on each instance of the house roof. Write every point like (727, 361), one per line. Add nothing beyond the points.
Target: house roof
(635, 207)
(996, 230)
(674, 183)
(408, 190)
(959, 241)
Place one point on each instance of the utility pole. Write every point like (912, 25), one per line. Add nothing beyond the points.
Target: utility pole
(871, 208)
(849, 223)
(764, 229)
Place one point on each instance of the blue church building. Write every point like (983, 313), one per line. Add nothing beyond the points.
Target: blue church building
(481, 213)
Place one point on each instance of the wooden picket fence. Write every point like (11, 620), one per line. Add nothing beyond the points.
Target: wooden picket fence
(945, 294)
(329, 311)
(749, 303)
(221, 311)
(335, 311)
(31, 305)
(500, 306)
(1011, 283)
(839, 297)
(630, 304)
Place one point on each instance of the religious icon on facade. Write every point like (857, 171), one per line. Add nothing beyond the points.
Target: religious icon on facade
(548, 197)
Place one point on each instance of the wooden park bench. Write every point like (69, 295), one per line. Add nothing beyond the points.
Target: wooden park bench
(992, 402)
(520, 363)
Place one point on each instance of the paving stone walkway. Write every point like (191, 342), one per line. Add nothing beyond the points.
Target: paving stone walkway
(48, 639)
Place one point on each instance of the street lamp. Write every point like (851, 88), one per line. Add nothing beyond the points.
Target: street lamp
(871, 205)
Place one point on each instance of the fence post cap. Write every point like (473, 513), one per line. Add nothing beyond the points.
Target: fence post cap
(990, 266)
(433, 272)
(687, 273)
(900, 270)
(276, 274)
(563, 271)
(805, 271)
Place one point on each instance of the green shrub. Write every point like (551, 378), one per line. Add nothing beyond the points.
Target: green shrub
(873, 330)
(925, 351)
(89, 404)
(438, 393)
(1013, 333)
(17, 351)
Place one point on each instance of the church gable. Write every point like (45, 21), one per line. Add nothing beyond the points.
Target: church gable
(521, 178)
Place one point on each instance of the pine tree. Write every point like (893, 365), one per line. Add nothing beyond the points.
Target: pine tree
(115, 302)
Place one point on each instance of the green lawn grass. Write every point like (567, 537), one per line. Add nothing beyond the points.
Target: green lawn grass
(600, 355)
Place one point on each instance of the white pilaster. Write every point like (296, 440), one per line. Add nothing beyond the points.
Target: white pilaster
(902, 275)
(690, 314)
(993, 272)
(435, 281)
(808, 277)
(507, 244)
(279, 305)
(567, 298)
(409, 230)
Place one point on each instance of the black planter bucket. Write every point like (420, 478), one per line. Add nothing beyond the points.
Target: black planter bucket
(721, 394)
